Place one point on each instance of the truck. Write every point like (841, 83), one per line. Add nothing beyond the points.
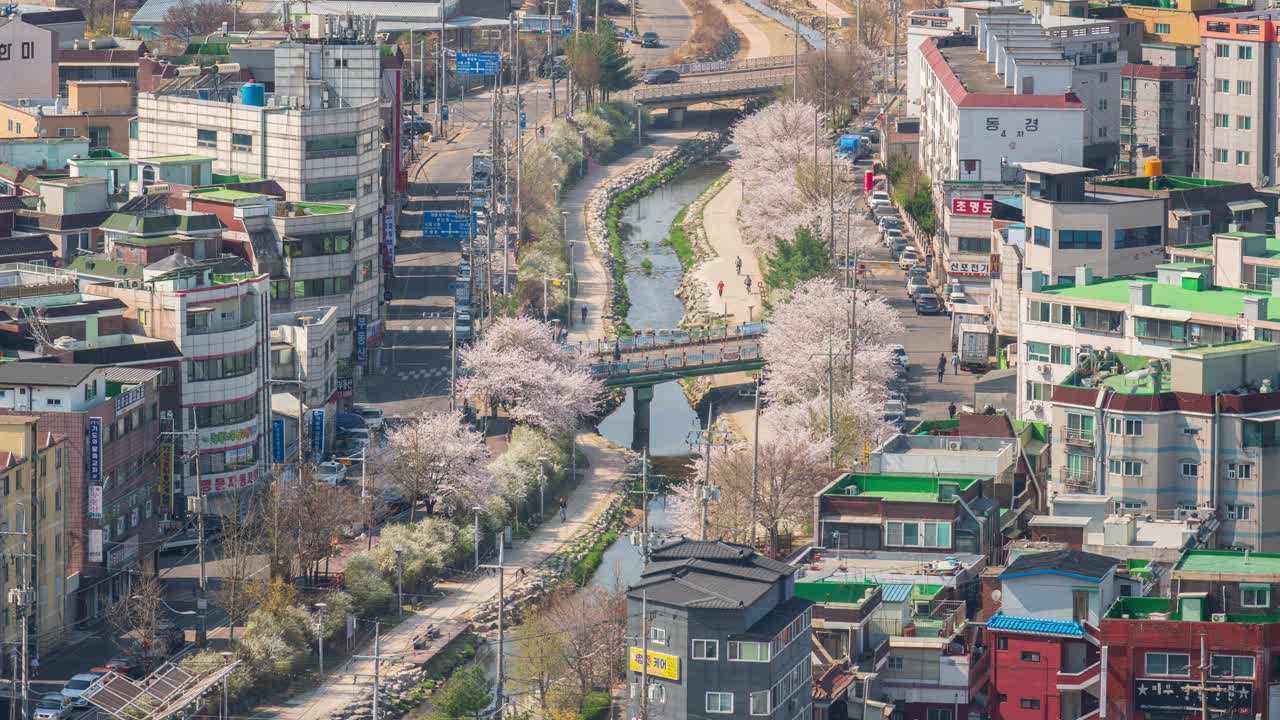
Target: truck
(974, 346)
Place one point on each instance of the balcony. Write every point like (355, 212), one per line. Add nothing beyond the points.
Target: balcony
(1079, 437)
(1080, 679)
(1077, 481)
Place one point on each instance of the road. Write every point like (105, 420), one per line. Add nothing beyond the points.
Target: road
(673, 22)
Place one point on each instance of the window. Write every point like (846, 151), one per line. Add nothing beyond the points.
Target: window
(1244, 87)
(1189, 470)
(320, 287)
(1244, 52)
(658, 635)
(329, 147)
(1048, 312)
(91, 390)
(1102, 104)
(719, 702)
(207, 138)
(1242, 157)
(330, 189)
(241, 141)
(316, 245)
(1029, 704)
(1231, 666)
(896, 663)
(1159, 329)
(939, 714)
(1258, 434)
(1222, 120)
(1126, 119)
(1255, 595)
(367, 228)
(1124, 426)
(1029, 656)
(1079, 605)
(1220, 155)
(1222, 86)
(1126, 88)
(744, 651)
(1102, 131)
(974, 244)
(1139, 237)
(66, 132)
(1040, 236)
(657, 693)
(1127, 468)
(918, 534)
(760, 702)
(1222, 51)
(1238, 512)
(1002, 643)
(1038, 391)
(1239, 471)
(1120, 507)
(227, 366)
(1107, 321)
(706, 650)
(99, 137)
(1168, 663)
(1244, 122)
(225, 413)
(1079, 239)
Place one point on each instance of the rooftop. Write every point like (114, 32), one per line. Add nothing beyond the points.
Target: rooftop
(886, 567)
(1035, 626)
(174, 159)
(44, 373)
(317, 208)
(1125, 374)
(1227, 563)
(1163, 182)
(708, 574)
(899, 488)
(225, 194)
(1156, 608)
(1055, 168)
(971, 81)
(1072, 563)
(1219, 301)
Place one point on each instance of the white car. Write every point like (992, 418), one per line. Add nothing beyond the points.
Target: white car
(331, 472)
(73, 691)
(878, 198)
(915, 285)
(53, 706)
(957, 297)
(892, 235)
(899, 353)
(908, 258)
(372, 416)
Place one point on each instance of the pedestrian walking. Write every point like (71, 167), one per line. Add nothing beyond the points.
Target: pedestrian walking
(951, 410)
(737, 264)
(35, 666)
(955, 364)
(942, 366)
(747, 280)
(564, 505)
(584, 314)
(617, 351)
(720, 288)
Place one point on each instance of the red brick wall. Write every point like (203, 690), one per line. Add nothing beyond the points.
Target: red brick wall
(921, 511)
(990, 584)
(1072, 536)
(1020, 679)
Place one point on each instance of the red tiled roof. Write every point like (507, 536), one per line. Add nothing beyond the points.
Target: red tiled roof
(45, 440)
(832, 683)
(963, 98)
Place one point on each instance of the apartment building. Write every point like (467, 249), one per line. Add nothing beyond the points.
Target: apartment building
(1158, 117)
(313, 126)
(1235, 259)
(726, 635)
(100, 110)
(69, 210)
(111, 505)
(304, 357)
(30, 71)
(1173, 22)
(33, 465)
(1238, 111)
(1069, 226)
(1198, 208)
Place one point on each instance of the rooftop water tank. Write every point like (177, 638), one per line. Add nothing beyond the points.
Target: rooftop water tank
(254, 94)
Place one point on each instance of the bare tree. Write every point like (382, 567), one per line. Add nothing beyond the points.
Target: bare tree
(136, 618)
(241, 542)
(189, 18)
(305, 517)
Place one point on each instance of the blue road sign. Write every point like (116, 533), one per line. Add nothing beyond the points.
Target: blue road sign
(444, 112)
(522, 120)
(477, 63)
(447, 224)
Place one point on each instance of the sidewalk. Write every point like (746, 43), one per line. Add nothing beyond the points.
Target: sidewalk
(592, 288)
(603, 475)
(764, 37)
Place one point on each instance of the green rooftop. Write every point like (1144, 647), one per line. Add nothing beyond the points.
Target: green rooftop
(1225, 562)
(101, 155)
(1224, 302)
(106, 267)
(899, 488)
(1208, 350)
(161, 224)
(1154, 608)
(234, 179)
(174, 159)
(316, 208)
(151, 240)
(1163, 182)
(225, 194)
(844, 593)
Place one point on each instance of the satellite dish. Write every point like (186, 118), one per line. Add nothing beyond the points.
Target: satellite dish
(996, 595)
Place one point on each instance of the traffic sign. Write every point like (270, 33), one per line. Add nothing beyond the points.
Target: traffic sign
(386, 296)
(444, 112)
(477, 63)
(522, 119)
(447, 224)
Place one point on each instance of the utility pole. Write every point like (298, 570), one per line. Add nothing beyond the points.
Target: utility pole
(202, 601)
(442, 92)
(502, 604)
(831, 406)
(896, 8)
(645, 494)
(755, 463)
(644, 641)
(377, 664)
(22, 599)
(706, 490)
(551, 65)
(520, 123)
(795, 62)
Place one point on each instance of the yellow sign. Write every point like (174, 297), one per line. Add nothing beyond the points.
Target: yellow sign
(660, 664)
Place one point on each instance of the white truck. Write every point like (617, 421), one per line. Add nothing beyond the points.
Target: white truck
(974, 346)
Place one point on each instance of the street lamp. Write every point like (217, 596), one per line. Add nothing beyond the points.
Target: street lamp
(542, 488)
(320, 607)
(400, 578)
(477, 510)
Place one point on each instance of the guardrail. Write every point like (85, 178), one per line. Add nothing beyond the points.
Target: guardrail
(762, 81)
(676, 337)
(685, 360)
(725, 66)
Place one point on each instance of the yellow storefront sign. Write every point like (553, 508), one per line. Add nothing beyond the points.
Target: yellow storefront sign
(660, 664)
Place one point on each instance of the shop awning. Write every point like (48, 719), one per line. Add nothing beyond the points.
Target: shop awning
(1188, 212)
(1242, 205)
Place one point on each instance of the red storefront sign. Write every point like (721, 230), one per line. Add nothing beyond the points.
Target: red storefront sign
(971, 208)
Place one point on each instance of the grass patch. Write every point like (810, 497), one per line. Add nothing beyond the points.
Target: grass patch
(590, 562)
(646, 266)
(595, 706)
(680, 243)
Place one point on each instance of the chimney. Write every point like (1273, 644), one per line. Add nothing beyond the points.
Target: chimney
(1084, 275)
(1139, 293)
(1033, 280)
(1255, 307)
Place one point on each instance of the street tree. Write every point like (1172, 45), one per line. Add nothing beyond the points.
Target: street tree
(465, 693)
(136, 619)
(241, 541)
(189, 18)
(436, 457)
(518, 365)
(425, 548)
(830, 78)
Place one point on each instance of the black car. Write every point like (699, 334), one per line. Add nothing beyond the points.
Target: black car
(660, 77)
(415, 126)
(927, 304)
(649, 40)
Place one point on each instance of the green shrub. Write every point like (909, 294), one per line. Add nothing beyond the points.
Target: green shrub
(590, 562)
(595, 706)
(370, 591)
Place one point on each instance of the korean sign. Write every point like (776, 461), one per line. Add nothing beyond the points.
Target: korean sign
(95, 502)
(95, 450)
(1028, 125)
(660, 664)
(1156, 695)
(970, 207)
(317, 430)
(127, 400)
(277, 441)
(968, 269)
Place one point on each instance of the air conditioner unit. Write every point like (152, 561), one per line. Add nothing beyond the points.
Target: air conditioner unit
(953, 445)
(1037, 408)
(1218, 617)
(1044, 367)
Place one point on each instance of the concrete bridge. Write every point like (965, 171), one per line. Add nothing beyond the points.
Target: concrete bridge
(674, 338)
(677, 97)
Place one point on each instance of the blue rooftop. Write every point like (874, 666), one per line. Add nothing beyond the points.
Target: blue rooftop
(896, 592)
(1036, 626)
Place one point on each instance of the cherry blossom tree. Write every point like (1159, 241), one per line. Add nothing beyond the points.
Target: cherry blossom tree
(518, 364)
(436, 457)
(851, 423)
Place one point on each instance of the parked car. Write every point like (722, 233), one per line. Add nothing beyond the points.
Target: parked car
(916, 271)
(878, 198)
(347, 446)
(359, 433)
(661, 76)
(908, 258)
(134, 666)
(893, 235)
(900, 355)
(927, 304)
(415, 125)
(53, 706)
(331, 472)
(957, 297)
(372, 416)
(890, 222)
(916, 285)
(73, 691)
(462, 326)
(650, 40)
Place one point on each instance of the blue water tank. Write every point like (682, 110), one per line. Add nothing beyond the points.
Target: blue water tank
(253, 94)
(202, 93)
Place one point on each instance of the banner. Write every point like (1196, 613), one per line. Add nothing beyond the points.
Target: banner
(660, 664)
(95, 545)
(362, 338)
(127, 400)
(95, 450)
(165, 486)
(95, 502)
(971, 208)
(277, 442)
(317, 431)
(389, 234)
